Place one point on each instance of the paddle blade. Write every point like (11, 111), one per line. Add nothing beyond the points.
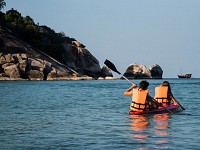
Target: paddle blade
(111, 66)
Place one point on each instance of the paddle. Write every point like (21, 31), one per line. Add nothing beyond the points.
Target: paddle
(162, 106)
(179, 104)
(113, 68)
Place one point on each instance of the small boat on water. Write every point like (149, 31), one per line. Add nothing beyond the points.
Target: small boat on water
(188, 75)
(159, 110)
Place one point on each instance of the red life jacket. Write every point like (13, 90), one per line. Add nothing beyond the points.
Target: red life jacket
(139, 102)
(161, 94)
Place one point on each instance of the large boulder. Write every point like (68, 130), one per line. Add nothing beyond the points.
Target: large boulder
(35, 75)
(11, 70)
(56, 74)
(78, 44)
(13, 66)
(35, 69)
(106, 72)
(2, 59)
(19, 66)
(156, 71)
(9, 58)
(81, 60)
(140, 71)
(137, 71)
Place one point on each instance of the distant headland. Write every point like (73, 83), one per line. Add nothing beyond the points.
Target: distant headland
(29, 51)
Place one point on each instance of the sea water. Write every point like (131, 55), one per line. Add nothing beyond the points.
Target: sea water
(76, 115)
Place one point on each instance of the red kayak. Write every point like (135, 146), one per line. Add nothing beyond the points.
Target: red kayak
(171, 108)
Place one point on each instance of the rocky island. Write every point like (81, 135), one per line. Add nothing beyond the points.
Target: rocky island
(29, 51)
(140, 71)
(32, 52)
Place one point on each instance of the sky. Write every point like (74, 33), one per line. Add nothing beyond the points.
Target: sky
(163, 32)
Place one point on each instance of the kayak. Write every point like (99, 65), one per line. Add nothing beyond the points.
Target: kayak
(171, 108)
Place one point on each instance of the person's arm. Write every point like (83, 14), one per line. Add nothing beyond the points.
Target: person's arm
(128, 92)
(153, 102)
(171, 96)
(173, 99)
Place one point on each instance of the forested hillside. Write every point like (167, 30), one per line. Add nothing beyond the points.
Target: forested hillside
(19, 34)
(40, 37)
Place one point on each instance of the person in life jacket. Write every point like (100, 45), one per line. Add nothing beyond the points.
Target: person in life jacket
(163, 94)
(141, 100)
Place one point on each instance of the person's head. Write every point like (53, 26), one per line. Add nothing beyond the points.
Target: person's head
(144, 85)
(166, 83)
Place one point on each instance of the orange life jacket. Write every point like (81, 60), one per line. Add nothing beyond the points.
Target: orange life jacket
(139, 100)
(161, 94)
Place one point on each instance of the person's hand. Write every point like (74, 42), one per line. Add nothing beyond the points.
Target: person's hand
(175, 103)
(134, 85)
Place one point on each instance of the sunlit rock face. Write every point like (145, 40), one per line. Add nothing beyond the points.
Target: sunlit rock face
(140, 71)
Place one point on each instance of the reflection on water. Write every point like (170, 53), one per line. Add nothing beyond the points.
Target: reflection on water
(162, 123)
(143, 132)
(138, 124)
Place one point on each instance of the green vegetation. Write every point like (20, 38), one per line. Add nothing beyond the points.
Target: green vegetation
(40, 37)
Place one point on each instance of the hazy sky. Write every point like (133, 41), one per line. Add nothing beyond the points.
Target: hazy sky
(164, 32)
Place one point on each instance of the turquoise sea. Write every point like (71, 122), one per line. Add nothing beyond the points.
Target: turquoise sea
(79, 115)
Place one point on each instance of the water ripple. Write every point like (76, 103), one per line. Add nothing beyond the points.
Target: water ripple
(93, 115)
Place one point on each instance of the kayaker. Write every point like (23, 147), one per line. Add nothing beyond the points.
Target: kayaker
(163, 94)
(141, 100)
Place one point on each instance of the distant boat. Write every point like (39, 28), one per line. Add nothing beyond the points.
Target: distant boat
(187, 75)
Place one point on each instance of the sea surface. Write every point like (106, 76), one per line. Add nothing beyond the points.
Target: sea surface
(84, 115)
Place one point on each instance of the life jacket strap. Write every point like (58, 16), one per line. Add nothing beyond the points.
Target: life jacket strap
(163, 100)
(138, 106)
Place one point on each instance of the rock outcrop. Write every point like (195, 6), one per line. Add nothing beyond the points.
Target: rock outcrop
(19, 60)
(156, 71)
(106, 72)
(137, 71)
(20, 66)
(78, 58)
(140, 71)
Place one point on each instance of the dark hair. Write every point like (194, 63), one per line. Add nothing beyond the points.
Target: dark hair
(144, 85)
(166, 83)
